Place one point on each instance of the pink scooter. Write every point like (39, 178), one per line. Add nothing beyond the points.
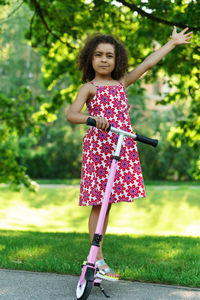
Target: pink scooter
(89, 269)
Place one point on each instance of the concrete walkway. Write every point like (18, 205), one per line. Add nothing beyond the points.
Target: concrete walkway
(23, 285)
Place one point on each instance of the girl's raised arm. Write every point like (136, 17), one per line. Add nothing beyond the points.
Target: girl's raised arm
(155, 57)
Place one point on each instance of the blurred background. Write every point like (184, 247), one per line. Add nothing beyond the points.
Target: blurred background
(39, 44)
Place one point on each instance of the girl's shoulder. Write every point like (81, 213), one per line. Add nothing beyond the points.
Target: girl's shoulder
(88, 89)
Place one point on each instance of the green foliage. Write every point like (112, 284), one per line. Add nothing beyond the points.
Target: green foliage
(16, 120)
(25, 106)
(168, 161)
(59, 43)
(59, 158)
(56, 31)
(56, 153)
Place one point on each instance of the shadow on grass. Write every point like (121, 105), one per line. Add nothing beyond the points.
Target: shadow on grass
(172, 260)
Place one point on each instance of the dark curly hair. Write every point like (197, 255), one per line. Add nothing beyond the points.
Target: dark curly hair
(85, 57)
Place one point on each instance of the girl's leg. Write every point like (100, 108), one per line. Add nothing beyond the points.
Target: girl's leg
(93, 223)
(92, 226)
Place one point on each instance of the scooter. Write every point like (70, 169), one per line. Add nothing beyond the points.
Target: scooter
(88, 277)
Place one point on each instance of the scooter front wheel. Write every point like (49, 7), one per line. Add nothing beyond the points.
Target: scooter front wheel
(83, 292)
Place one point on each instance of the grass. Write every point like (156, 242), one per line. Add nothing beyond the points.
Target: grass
(148, 182)
(154, 239)
(58, 181)
(170, 260)
(165, 211)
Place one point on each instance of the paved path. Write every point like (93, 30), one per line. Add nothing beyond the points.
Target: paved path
(23, 285)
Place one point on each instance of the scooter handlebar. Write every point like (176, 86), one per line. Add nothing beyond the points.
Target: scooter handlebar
(146, 140)
(143, 139)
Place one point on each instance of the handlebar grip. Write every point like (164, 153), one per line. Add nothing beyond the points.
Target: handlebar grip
(92, 122)
(146, 140)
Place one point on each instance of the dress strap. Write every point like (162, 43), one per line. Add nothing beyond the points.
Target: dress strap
(93, 83)
(98, 86)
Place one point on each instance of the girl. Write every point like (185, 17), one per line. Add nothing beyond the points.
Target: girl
(104, 63)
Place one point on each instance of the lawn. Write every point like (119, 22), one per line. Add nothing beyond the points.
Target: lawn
(167, 210)
(155, 239)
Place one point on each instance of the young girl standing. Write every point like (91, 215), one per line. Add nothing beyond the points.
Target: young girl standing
(104, 63)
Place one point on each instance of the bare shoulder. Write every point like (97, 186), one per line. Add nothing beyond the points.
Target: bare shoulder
(86, 92)
(85, 88)
(92, 89)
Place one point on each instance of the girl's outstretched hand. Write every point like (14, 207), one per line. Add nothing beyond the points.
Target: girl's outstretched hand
(180, 38)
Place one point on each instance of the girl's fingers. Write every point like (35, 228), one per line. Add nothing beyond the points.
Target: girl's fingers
(184, 30)
(101, 123)
(105, 126)
(188, 33)
(97, 123)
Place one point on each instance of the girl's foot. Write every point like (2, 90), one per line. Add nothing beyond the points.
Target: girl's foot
(104, 272)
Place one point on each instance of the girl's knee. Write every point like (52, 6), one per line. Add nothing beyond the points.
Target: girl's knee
(97, 208)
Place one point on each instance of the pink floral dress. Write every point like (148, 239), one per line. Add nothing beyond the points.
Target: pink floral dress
(111, 103)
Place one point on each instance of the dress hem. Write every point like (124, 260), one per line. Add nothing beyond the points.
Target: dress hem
(113, 201)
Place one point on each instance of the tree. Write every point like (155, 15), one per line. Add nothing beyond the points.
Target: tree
(20, 111)
(63, 25)
(57, 30)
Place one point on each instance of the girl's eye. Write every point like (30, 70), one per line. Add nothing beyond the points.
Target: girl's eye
(98, 54)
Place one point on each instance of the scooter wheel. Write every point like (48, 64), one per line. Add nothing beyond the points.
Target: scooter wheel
(83, 292)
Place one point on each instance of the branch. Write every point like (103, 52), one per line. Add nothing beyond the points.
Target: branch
(39, 11)
(133, 7)
(31, 23)
(12, 13)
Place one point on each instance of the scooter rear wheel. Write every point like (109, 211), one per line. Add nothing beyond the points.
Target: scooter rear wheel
(83, 292)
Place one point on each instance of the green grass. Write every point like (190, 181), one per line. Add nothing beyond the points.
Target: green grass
(58, 181)
(148, 182)
(154, 239)
(165, 211)
(170, 260)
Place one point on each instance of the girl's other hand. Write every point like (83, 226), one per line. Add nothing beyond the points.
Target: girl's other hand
(101, 123)
(181, 38)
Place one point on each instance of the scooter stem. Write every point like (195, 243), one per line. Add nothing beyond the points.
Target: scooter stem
(99, 228)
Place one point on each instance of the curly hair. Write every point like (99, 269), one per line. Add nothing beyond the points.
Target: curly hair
(85, 57)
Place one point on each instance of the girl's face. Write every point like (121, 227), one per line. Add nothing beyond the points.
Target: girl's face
(103, 60)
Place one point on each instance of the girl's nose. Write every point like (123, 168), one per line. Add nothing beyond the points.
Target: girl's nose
(103, 58)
